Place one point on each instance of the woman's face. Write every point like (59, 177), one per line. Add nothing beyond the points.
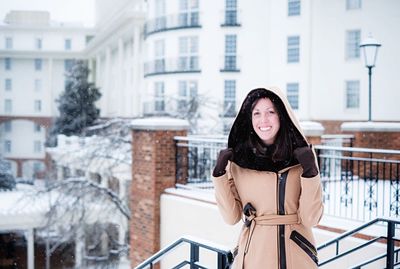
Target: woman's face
(265, 120)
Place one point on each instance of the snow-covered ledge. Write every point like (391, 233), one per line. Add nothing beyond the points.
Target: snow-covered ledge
(371, 126)
(312, 128)
(159, 123)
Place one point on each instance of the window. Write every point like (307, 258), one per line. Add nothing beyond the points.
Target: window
(160, 18)
(37, 128)
(159, 49)
(293, 7)
(352, 94)
(67, 44)
(353, 4)
(38, 43)
(159, 103)
(293, 49)
(37, 167)
(68, 64)
(7, 63)
(8, 105)
(37, 146)
(188, 53)
(38, 85)
(230, 52)
(353, 44)
(188, 13)
(187, 92)
(231, 12)
(9, 43)
(8, 84)
(37, 105)
(7, 146)
(7, 126)
(38, 64)
(7, 165)
(229, 98)
(292, 93)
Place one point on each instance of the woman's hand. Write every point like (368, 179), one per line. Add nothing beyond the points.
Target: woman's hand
(306, 158)
(224, 156)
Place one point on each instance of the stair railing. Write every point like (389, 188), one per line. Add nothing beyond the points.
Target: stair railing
(224, 257)
(390, 244)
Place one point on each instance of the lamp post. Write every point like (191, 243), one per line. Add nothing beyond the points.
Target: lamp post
(369, 47)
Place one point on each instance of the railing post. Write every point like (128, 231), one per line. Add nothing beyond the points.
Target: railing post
(194, 255)
(222, 261)
(390, 246)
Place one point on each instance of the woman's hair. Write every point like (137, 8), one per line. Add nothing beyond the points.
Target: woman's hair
(285, 141)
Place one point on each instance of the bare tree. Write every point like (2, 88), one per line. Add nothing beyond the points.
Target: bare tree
(86, 205)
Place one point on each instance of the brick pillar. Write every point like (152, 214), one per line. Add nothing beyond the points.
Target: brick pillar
(313, 131)
(153, 170)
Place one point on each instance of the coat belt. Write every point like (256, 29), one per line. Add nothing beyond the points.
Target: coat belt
(267, 220)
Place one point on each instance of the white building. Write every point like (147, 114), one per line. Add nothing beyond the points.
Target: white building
(115, 57)
(34, 54)
(310, 49)
(153, 57)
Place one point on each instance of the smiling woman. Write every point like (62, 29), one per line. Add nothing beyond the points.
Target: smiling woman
(268, 176)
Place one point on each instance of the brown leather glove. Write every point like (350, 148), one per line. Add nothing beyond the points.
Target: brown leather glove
(306, 158)
(224, 156)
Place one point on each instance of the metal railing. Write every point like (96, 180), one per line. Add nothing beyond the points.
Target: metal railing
(182, 64)
(391, 255)
(224, 257)
(195, 159)
(172, 22)
(359, 184)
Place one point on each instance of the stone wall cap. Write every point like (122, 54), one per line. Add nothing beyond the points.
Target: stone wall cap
(312, 128)
(159, 123)
(371, 126)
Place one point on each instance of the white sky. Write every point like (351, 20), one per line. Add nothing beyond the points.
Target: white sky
(60, 10)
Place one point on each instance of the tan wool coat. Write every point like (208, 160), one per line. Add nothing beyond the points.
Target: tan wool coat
(277, 233)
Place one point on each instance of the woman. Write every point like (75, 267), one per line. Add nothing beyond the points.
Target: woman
(269, 176)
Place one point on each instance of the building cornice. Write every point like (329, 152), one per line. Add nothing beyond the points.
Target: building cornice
(34, 54)
(111, 31)
(46, 28)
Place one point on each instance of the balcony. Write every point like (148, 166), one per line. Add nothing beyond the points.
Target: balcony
(173, 22)
(230, 18)
(183, 64)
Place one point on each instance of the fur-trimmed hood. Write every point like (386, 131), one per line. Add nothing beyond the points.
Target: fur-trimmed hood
(242, 129)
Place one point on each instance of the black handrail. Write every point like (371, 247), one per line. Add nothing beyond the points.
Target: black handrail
(390, 251)
(224, 256)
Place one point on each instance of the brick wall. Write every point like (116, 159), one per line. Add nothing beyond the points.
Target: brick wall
(375, 135)
(153, 170)
(381, 135)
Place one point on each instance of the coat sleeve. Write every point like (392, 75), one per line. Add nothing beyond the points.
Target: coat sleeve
(227, 197)
(310, 204)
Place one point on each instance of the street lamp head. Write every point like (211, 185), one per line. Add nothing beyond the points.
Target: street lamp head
(370, 49)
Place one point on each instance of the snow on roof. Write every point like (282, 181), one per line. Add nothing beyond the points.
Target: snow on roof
(95, 154)
(19, 209)
(371, 126)
(312, 128)
(160, 123)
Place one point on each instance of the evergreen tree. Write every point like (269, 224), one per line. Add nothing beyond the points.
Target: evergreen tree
(7, 180)
(77, 103)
